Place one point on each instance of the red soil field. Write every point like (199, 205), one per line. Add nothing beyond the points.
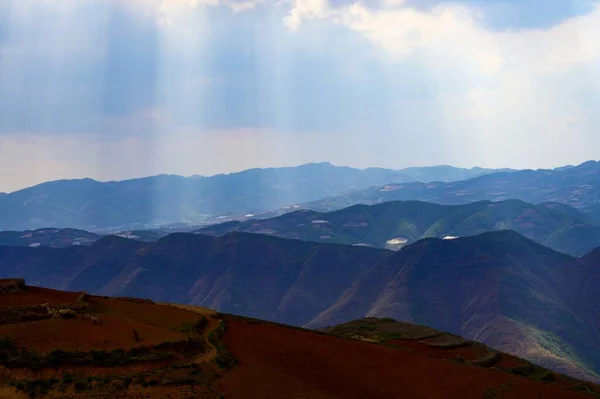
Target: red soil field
(77, 334)
(279, 362)
(508, 362)
(153, 314)
(155, 324)
(467, 353)
(36, 296)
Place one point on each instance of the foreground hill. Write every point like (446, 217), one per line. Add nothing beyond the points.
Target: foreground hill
(393, 225)
(499, 288)
(73, 345)
(577, 186)
(139, 203)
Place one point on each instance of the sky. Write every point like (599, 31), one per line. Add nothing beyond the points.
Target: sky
(115, 89)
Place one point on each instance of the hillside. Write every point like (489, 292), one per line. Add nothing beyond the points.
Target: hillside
(265, 277)
(498, 288)
(146, 202)
(74, 345)
(575, 186)
(392, 225)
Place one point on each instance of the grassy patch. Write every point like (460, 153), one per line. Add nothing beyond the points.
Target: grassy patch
(13, 357)
(224, 358)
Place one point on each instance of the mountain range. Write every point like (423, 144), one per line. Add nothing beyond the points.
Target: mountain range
(389, 225)
(499, 288)
(575, 186)
(392, 225)
(163, 199)
(60, 238)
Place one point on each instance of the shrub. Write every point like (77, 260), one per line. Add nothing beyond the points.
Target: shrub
(225, 359)
(548, 377)
(67, 313)
(80, 386)
(523, 370)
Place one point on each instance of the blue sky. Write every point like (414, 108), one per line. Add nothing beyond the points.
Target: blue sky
(113, 89)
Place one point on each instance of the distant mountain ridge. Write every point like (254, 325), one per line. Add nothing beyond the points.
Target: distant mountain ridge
(577, 186)
(60, 238)
(499, 288)
(389, 225)
(146, 202)
(392, 225)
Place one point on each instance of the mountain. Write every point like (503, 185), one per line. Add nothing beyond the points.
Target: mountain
(392, 225)
(139, 203)
(71, 344)
(288, 281)
(60, 238)
(578, 187)
(47, 237)
(498, 288)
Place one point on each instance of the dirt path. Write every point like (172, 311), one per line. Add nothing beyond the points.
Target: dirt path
(210, 326)
(211, 354)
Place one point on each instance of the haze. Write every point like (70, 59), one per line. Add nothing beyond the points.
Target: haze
(116, 89)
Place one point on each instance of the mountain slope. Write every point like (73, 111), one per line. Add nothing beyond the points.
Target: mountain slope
(576, 186)
(285, 280)
(392, 225)
(279, 362)
(162, 199)
(70, 344)
(499, 288)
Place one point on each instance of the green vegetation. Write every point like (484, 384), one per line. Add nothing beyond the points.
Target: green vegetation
(192, 328)
(224, 358)
(381, 330)
(12, 357)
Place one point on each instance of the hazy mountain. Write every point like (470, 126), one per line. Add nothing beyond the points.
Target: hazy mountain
(499, 288)
(48, 237)
(160, 199)
(577, 186)
(392, 225)
(60, 238)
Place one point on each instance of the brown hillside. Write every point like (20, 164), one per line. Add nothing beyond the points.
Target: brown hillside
(280, 362)
(72, 345)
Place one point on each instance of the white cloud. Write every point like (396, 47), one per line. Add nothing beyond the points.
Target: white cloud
(383, 83)
(502, 94)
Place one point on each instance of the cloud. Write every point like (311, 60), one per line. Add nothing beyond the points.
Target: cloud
(380, 82)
